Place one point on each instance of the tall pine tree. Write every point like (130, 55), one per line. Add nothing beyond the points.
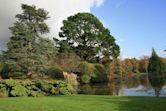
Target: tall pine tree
(27, 51)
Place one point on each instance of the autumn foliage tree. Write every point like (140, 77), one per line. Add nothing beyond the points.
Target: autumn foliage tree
(115, 70)
(143, 64)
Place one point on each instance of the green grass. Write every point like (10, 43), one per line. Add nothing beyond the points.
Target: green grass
(83, 103)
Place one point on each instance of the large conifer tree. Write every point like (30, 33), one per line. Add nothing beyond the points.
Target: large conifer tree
(27, 52)
(156, 72)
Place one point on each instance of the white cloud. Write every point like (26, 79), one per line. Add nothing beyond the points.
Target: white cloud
(58, 11)
(98, 2)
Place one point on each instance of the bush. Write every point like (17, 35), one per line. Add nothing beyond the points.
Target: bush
(71, 89)
(35, 94)
(17, 88)
(86, 89)
(54, 72)
(100, 74)
(18, 91)
(54, 91)
(86, 78)
(93, 73)
(26, 83)
(71, 80)
(3, 91)
(88, 70)
(44, 86)
(10, 83)
(64, 91)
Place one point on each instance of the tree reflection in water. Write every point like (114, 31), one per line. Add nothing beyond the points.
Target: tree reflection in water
(134, 86)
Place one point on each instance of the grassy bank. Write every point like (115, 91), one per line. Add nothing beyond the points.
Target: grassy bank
(83, 103)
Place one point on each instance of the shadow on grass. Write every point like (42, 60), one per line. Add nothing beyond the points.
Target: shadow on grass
(141, 104)
(116, 103)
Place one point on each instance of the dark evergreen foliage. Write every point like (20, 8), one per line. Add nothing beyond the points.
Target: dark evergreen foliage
(156, 72)
(27, 52)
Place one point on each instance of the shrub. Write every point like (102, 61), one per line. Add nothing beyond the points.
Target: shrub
(93, 72)
(18, 91)
(26, 83)
(86, 78)
(10, 83)
(16, 88)
(2, 95)
(100, 74)
(35, 94)
(54, 72)
(86, 89)
(3, 91)
(54, 91)
(88, 70)
(71, 89)
(45, 86)
(33, 87)
(64, 91)
(71, 80)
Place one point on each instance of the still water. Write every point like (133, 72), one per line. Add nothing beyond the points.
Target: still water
(136, 86)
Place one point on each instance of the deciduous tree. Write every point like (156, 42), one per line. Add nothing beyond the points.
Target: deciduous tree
(89, 39)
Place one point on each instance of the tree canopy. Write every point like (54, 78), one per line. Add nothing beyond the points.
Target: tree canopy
(85, 35)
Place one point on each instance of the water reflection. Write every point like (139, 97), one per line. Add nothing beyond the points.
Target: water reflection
(135, 86)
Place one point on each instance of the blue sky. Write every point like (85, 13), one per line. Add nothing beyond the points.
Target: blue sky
(137, 25)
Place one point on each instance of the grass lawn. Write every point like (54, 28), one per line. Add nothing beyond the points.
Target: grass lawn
(83, 103)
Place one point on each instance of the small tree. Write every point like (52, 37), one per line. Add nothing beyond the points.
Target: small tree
(156, 71)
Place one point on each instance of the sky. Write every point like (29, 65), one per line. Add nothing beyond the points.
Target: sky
(137, 25)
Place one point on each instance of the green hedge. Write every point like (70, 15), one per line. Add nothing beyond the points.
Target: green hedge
(34, 88)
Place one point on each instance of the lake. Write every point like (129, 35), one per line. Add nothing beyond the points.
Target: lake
(135, 86)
